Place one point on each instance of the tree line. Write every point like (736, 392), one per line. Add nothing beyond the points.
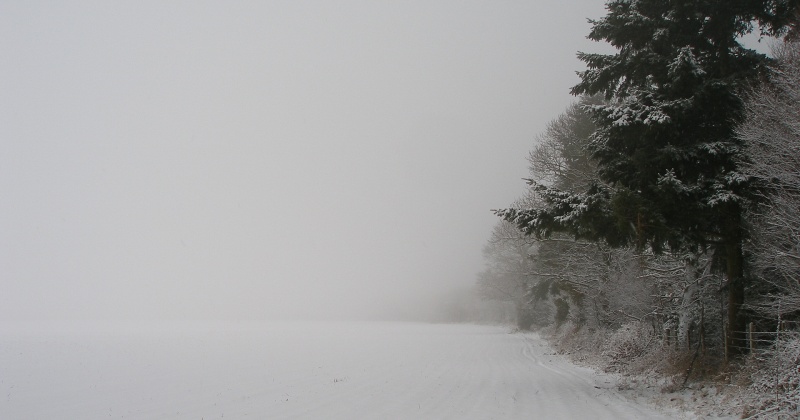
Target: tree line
(668, 195)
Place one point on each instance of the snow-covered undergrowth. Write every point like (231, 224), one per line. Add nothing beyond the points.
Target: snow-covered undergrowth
(773, 381)
(629, 349)
(629, 344)
(765, 385)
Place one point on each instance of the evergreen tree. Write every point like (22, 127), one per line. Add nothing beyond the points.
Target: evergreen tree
(665, 144)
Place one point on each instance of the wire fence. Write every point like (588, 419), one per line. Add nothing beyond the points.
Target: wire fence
(773, 350)
(777, 352)
(754, 340)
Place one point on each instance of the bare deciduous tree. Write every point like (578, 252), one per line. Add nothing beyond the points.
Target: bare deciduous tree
(772, 134)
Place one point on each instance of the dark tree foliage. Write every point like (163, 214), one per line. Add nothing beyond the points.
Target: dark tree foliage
(665, 144)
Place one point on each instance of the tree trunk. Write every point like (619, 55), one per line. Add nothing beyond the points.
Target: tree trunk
(735, 338)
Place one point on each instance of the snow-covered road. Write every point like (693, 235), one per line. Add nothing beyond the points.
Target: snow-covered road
(299, 370)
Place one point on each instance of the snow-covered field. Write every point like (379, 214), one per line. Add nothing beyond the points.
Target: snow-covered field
(298, 370)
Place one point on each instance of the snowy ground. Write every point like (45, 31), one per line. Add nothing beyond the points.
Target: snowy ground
(299, 370)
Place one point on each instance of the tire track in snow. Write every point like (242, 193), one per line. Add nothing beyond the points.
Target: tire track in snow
(310, 371)
(583, 394)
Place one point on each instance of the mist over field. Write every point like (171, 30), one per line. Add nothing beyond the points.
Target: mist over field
(355, 209)
(265, 160)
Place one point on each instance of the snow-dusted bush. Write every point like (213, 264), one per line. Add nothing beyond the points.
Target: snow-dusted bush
(774, 392)
(628, 343)
(577, 341)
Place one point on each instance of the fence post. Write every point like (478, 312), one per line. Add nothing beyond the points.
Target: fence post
(727, 351)
(778, 352)
(751, 333)
(702, 330)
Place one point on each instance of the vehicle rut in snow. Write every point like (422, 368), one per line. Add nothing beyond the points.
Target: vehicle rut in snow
(301, 370)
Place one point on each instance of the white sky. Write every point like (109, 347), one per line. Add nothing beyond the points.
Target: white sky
(265, 159)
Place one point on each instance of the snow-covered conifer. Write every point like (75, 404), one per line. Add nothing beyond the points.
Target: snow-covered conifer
(665, 143)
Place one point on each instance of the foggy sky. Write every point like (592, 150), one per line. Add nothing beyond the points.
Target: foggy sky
(259, 160)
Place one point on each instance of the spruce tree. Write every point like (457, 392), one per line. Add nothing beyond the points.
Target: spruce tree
(665, 145)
